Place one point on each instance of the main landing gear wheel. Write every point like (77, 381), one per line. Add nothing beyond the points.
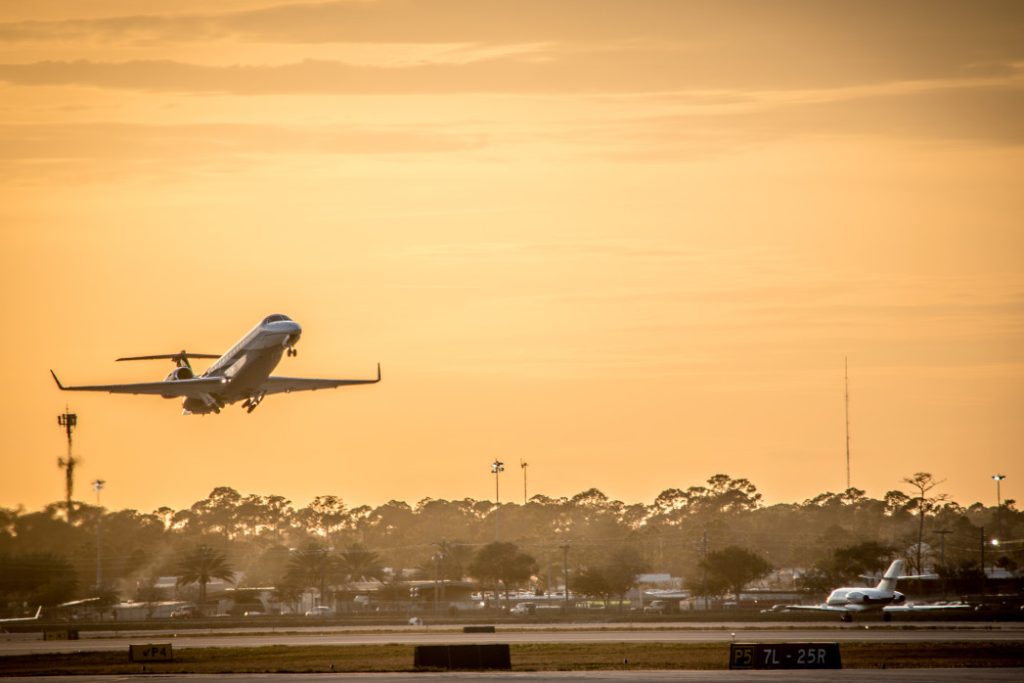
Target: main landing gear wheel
(292, 351)
(253, 401)
(846, 618)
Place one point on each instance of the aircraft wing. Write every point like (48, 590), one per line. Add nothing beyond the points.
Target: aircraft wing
(191, 388)
(925, 607)
(279, 385)
(39, 610)
(818, 608)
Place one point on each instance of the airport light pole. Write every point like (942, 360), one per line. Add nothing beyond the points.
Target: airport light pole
(497, 467)
(998, 478)
(97, 486)
(523, 464)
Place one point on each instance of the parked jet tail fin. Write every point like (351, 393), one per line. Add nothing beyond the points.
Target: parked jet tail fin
(892, 574)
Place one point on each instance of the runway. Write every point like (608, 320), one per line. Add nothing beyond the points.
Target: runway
(96, 641)
(849, 675)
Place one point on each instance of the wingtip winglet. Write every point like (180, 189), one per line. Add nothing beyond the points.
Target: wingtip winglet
(59, 385)
(378, 371)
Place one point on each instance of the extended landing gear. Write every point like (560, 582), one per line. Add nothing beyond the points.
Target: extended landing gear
(886, 616)
(846, 618)
(292, 351)
(253, 401)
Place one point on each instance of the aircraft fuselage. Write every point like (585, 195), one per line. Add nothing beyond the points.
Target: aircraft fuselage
(248, 364)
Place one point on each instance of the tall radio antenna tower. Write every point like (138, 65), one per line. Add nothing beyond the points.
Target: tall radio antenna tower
(68, 421)
(846, 375)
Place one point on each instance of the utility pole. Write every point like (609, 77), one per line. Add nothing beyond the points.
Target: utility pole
(97, 486)
(846, 376)
(523, 464)
(984, 576)
(942, 544)
(704, 572)
(439, 557)
(565, 572)
(942, 555)
(68, 421)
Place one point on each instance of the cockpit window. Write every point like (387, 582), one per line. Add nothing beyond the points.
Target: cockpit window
(276, 318)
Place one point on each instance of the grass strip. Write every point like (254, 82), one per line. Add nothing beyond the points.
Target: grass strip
(525, 657)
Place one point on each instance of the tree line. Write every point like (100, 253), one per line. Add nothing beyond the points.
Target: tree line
(265, 540)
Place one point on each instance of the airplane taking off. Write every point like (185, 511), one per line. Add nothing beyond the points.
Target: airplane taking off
(241, 374)
(12, 620)
(884, 597)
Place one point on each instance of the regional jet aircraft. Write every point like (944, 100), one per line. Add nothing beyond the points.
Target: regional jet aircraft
(241, 374)
(884, 597)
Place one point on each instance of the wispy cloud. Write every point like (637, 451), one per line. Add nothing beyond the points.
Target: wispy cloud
(990, 115)
(743, 43)
(28, 150)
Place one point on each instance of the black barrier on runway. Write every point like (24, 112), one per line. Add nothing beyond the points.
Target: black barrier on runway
(784, 656)
(478, 629)
(489, 656)
(61, 634)
(151, 652)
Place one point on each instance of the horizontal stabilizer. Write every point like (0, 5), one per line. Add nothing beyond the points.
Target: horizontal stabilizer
(171, 356)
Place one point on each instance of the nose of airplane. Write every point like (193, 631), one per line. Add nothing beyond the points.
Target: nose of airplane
(294, 331)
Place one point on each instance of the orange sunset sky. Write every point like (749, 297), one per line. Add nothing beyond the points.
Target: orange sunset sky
(630, 241)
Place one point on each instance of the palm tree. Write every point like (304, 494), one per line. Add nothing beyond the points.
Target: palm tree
(201, 566)
(313, 566)
(360, 564)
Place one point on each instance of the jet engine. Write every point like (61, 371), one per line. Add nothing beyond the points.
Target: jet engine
(180, 373)
(197, 406)
(898, 598)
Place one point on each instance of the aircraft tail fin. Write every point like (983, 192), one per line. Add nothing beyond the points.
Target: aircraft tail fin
(892, 574)
(180, 359)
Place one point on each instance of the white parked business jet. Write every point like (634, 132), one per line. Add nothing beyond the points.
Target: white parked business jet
(241, 374)
(884, 597)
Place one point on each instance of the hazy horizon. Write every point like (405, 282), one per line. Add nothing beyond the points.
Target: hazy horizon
(512, 500)
(629, 241)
